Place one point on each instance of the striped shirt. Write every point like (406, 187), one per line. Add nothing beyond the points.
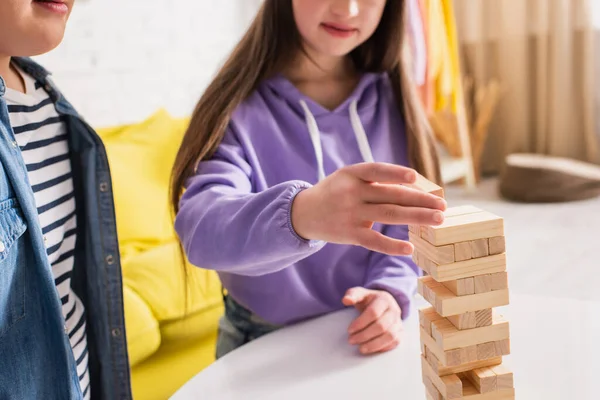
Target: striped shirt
(42, 138)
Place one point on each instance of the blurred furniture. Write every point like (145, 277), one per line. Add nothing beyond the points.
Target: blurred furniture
(170, 333)
(480, 105)
(314, 360)
(537, 178)
(544, 53)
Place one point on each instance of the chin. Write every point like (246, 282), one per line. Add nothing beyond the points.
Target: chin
(45, 42)
(337, 51)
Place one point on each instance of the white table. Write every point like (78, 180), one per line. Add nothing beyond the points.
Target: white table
(555, 355)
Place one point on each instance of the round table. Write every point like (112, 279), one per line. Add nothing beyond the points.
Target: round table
(555, 351)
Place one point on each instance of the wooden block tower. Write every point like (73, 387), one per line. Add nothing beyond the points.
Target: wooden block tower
(463, 338)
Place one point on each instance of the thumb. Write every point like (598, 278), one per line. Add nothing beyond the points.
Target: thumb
(355, 295)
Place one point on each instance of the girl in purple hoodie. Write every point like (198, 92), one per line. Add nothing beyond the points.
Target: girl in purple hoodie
(289, 180)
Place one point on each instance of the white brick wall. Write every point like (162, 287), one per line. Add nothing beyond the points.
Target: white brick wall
(123, 59)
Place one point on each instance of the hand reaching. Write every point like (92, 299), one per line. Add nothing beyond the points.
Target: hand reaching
(343, 207)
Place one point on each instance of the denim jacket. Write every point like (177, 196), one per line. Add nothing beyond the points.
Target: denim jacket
(36, 360)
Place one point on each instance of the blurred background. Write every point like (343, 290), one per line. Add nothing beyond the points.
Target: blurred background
(497, 78)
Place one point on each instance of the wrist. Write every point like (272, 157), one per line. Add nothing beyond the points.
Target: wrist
(300, 215)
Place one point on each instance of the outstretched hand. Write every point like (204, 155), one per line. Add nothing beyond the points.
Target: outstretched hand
(344, 206)
(378, 328)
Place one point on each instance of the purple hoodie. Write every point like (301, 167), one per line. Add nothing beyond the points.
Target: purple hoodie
(235, 212)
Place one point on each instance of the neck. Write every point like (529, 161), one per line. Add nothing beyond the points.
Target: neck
(11, 77)
(5, 70)
(310, 66)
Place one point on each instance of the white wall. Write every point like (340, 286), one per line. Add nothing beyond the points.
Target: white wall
(123, 59)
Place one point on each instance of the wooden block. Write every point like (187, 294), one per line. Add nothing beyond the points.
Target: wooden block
(484, 379)
(497, 245)
(464, 321)
(426, 316)
(461, 287)
(483, 283)
(457, 357)
(470, 392)
(472, 319)
(462, 251)
(486, 351)
(415, 258)
(464, 269)
(490, 282)
(447, 303)
(468, 354)
(449, 386)
(464, 228)
(504, 377)
(479, 248)
(448, 337)
(461, 210)
(431, 390)
(442, 370)
(425, 185)
(414, 229)
(500, 281)
(502, 347)
(451, 358)
(437, 254)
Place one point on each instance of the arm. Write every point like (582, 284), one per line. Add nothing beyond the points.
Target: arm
(394, 274)
(224, 226)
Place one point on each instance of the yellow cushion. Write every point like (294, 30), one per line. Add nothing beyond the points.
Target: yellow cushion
(141, 157)
(157, 276)
(196, 325)
(143, 334)
(160, 376)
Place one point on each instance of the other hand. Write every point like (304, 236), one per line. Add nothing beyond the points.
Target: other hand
(378, 328)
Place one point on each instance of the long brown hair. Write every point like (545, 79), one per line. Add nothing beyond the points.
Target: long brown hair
(270, 43)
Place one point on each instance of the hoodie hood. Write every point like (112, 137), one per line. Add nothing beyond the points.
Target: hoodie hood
(364, 96)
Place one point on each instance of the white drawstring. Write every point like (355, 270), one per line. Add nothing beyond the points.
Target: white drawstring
(315, 136)
(359, 132)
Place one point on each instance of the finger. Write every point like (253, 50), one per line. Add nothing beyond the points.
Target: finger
(385, 342)
(372, 312)
(375, 329)
(392, 214)
(383, 173)
(356, 295)
(402, 195)
(378, 242)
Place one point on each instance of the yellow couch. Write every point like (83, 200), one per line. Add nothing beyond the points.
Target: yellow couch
(168, 341)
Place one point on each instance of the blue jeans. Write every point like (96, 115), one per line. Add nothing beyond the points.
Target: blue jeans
(239, 326)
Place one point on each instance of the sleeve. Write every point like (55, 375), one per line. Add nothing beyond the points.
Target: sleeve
(223, 226)
(395, 274)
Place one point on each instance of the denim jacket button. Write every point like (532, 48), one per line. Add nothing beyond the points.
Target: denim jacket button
(66, 330)
(2, 247)
(116, 332)
(110, 260)
(103, 187)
